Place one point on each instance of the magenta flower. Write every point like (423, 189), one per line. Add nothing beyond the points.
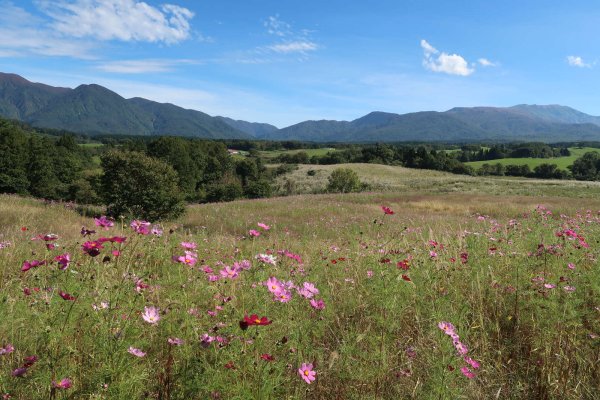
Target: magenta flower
(140, 227)
(63, 260)
(27, 265)
(472, 362)
(19, 372)
(267, 259)
(549, 285)
(6, 349)
(447, 327)
(254, 233)
(92, 248)
(136, 352)
(175, 341)
(151, 315)
(263, 226)
(229, 272)
(64, 383)
(104, 222)
(317, 304)
(189, 245)
(571, 266)
(467, 372)
(283, 296)
(307, 373)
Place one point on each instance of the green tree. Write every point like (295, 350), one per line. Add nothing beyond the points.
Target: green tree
(587, 167)
(343, 180)
(140, 186)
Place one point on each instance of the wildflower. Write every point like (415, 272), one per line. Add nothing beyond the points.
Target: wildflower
(307, 373)
(467, 372)
(274, 285)
(317, 304)
(156, 230)
(283, 296)
(387, 210)
(460, 347)
(549, 285)
(404, 264)
(66, 296)
(86, 232)
(206, 340)
(151, 315)
(267, 259)
(4, 245)
(136, 352)
(254, 320)
(369, 274)
(27, 265)
(190, 258)
(189, 245)
(571, 266)
(29, 361)
(63, 260)
(19, 372)
(104, 222)
(263, 226)
(175, 341)
(472, 362)
(229, 272)
(92, 248)
(447, 327)
(244, 264)
(6, 349)
(140, 227)
(254, 233)
(267, 357)
(64, 383)
(569, 289)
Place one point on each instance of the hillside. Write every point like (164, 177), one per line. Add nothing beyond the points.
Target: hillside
(93, 109)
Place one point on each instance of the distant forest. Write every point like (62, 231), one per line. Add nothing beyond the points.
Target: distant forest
(58, 165)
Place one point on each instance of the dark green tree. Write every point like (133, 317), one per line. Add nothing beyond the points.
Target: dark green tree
(140, 186)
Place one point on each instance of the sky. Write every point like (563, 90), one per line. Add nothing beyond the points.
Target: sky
(283, 62)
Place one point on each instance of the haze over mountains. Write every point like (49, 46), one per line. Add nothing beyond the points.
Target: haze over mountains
(93, 109)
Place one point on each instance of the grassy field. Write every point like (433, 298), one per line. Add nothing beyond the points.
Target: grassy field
(369, 292)
(399, 179)
(561, 162)
(269, 155)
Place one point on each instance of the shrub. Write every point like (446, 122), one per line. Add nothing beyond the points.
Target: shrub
(344, 180)
(140, 186)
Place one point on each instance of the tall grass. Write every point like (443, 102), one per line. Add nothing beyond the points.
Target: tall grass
(479, 262)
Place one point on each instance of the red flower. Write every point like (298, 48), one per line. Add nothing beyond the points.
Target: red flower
(387, 210)
(66, 296)
(406, 278)
(254, 320)
(267, 357)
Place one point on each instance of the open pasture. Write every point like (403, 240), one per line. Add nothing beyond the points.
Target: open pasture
(460, 296)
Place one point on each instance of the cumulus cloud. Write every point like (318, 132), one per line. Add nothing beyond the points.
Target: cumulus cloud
(124, 20)
(576, 61)
(436, 61)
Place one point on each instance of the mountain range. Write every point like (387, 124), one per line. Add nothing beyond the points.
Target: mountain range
(93, 109)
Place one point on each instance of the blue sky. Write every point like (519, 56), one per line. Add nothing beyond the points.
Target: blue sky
(283, 62)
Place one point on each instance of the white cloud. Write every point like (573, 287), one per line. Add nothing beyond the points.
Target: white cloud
(141, 66)
(125, 20)
(451, 64)
(484, 62)
(294, 47)
(24, 34)
(276, 26)
(576, 61)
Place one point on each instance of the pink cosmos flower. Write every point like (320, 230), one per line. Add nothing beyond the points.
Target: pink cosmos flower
(447, 327)
(549, 285)
(189, 245)
(19, 372)
(27, 265)
(472, 362)
(175, 341)
(283, 296)
(263, 226)
(369, 274)
(317, 304)
(254, 233)
(274, 285)
(190, 258)
(66, 296)
(6, 349)
(307, 373)
(267, 259)
(151, 315)
(64, 383)
(92, 248)
(136, 352)
(140, 227)
(569, 289)
(571, 266)
(63, 260)
(229, 272)
(156, 231)
(104, 222)
(467, 372)
(460, 347)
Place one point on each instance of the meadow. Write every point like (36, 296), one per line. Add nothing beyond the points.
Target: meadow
(562, 162)
(438, 287)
